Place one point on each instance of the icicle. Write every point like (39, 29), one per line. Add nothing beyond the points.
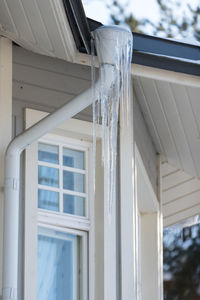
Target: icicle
(114, 62)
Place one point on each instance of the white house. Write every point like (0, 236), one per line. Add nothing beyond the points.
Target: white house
(66, 248)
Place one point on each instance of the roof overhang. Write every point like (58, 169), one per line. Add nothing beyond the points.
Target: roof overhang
(39, 26)
(166, 72)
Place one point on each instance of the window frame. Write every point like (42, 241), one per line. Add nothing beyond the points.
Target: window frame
(52, 139)
(84, 255)
(34, 217)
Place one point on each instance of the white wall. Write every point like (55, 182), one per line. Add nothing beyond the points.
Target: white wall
(180, 194)
(5, 122)
(43, 83)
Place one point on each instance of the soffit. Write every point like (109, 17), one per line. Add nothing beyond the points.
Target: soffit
(172, 114)
(40, 26)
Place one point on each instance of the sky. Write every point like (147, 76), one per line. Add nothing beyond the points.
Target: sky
(96, 9)
(141, 9)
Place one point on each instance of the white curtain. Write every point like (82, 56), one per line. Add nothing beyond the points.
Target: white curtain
(57, 265)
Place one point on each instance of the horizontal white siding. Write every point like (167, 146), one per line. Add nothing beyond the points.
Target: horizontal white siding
(180, 194)
(45, 83)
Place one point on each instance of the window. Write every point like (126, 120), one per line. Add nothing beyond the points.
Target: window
(62, 191)
(63, 229)
(62, 182)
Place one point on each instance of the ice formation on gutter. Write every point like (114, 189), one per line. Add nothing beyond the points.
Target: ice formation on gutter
(114, 51)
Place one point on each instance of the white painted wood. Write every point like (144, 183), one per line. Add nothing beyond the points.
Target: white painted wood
(31, 89)
(110, 226)
(161, 120)
(151, 73)
(150, 256)
(145, 107)
(22, 56)
(171, 111)
(193, 95)
(190, 126)
(175, 179)
(127, 208)
(82, 131)
(144, 143)
(148, 202)
(180, 195)
(42, 96)
(160, 227)
(182, 215)
(183, 203)
(49, 80)
(167, 169)
(40, 26)
(99, 226)
(29, 93)
(181, 190)
(170, 108)
(5, 121)
(149, 241)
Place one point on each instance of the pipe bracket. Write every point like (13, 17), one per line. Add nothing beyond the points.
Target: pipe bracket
(9, 293)
(12, 183)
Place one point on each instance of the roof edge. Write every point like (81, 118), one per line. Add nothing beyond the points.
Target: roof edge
(148, 50)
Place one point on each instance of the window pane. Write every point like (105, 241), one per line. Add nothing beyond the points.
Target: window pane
(74, 205)
(48, 200)
(181, 250)
(48, 176)
(73, 158)
(48, 153)
(73, 181)
(58, 265)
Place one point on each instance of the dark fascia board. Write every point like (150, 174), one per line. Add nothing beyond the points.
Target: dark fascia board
(148, 50)
(78, 23)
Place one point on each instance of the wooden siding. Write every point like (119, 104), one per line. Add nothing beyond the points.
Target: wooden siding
(180, 194)
(40, 26)
(172, 114)
(144, 144)
(44, 83)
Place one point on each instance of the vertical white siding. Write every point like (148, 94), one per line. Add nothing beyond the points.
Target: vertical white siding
(144, 143)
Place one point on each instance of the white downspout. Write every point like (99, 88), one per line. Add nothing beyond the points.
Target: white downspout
(12, 181)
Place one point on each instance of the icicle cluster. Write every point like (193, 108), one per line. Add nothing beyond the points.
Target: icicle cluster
(114, 72)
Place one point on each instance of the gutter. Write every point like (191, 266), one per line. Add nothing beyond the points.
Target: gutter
(150, 51)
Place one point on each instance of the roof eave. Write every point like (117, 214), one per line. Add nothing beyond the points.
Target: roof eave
(148, 50)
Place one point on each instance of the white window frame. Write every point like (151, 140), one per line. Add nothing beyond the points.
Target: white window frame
(102, 259)
(34, 217)
(62, 142)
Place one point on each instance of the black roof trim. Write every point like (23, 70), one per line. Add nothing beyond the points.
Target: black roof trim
(147, 50)
(166, 63)
(78, 23)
